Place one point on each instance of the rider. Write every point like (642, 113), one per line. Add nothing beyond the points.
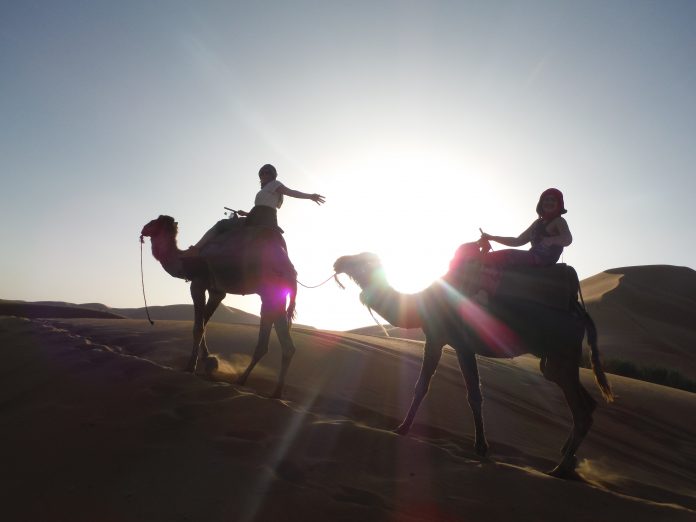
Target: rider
(265, 212)
(270, 198)
(549, 234)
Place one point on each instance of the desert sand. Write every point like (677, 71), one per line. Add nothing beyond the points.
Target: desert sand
(100, 423)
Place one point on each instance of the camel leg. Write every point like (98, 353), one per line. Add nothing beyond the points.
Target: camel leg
(283, 332)
(550, 371)
(261, 346)
(431, 358)
(198, 289)
(581, 405)
(467, 362)
(215, 297)
(590, 404)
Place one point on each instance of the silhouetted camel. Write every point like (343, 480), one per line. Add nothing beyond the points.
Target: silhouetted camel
(505, 329)
(242, 261)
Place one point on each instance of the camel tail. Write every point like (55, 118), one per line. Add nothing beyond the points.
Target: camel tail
(597, 369)
(291, 312)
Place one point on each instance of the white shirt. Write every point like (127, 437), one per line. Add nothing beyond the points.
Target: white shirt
(269, 196)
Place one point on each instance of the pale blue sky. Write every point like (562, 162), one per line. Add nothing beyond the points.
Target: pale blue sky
(419, 121)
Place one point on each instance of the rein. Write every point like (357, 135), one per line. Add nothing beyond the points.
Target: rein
(142, 280)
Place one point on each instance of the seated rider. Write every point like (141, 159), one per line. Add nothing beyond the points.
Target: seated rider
(549, 234)
(265, 212)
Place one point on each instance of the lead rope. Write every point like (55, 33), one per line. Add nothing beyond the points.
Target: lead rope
(332, 276)
(142, 280)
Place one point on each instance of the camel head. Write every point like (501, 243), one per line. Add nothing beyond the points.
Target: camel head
(361, 268)
(161, 225)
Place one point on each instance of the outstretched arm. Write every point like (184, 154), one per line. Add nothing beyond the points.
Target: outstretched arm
(520, 240)
(317, 198)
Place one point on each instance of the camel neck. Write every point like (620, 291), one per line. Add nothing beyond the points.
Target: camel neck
(397, 308)
(165, 250)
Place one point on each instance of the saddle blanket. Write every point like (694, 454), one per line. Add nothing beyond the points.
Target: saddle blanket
(555, 286)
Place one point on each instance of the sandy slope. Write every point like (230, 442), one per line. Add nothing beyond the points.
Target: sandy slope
(99, 424)
(646, 314)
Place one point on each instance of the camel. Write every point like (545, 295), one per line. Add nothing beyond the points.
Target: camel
(505, 328)
(243, 260)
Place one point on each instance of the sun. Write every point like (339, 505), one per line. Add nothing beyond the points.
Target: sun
(412, 206)
(409, 274)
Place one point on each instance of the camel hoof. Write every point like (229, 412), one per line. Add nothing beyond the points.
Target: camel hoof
(210, 364)
(566, 470)
(481, 449)
(401, 430)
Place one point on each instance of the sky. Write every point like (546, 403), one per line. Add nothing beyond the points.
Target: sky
(420, 122)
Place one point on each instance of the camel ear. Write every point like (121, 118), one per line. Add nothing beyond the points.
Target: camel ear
(168, 223)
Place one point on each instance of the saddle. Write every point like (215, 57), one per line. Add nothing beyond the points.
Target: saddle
(239, 256)
(555, 286)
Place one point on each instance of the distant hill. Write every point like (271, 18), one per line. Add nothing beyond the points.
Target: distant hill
(644, 314)
(63, 310)
(184, 312)
(179, 312)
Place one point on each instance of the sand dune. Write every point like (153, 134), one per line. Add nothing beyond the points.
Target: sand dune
(646, 314)
(99, 423)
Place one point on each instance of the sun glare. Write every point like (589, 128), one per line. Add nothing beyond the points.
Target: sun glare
(412, 204)
(422, 206)
(407, 273)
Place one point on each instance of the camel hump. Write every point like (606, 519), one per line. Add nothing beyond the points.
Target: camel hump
(555, 286)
